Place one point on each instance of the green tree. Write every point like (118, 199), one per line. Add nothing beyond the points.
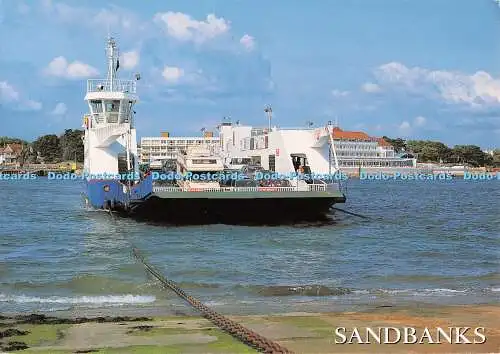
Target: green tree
(48, 148)
(4, 140)
(415, 146)
(398, 143)
(72, 145)
(470, 154)
(430, 151)
(496, 158)
(27, 155)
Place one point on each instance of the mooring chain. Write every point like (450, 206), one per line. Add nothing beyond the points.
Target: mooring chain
(236, 330)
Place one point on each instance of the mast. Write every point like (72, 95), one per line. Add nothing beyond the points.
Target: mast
(113, 63)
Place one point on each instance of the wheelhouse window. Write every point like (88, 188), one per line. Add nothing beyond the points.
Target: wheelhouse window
(113, 106)
(96, 106)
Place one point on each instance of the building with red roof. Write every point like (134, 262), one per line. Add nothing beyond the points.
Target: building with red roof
(358, 149)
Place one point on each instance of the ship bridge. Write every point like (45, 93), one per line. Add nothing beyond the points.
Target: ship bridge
(110, 100)
(109, 126)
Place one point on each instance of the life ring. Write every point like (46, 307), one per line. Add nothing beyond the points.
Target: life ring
(86, 121)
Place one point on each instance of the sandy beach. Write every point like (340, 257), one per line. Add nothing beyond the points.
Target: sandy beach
(298, 332)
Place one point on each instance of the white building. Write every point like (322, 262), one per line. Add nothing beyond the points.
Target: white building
(10, 153)
(162, 148)
(358, 149)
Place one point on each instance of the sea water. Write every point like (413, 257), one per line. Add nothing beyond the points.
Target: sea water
(435, 242)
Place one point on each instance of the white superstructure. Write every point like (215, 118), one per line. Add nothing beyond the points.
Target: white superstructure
(321, 150)
(281, 150)
(110, 137)
(199, 161)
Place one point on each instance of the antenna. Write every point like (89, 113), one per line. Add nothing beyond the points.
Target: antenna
(113, 62)
(269, 112)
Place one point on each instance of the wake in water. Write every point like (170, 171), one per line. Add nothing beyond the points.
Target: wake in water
(77, 300)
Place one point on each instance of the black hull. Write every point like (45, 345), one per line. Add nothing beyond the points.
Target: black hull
(195, 211)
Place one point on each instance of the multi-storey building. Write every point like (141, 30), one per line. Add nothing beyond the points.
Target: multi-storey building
(165, 147)
(358, 149)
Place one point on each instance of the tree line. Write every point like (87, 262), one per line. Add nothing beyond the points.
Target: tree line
(50, 148)
(69, 147)
(437, 152)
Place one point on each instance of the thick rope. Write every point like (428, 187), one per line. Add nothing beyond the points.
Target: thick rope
(233, 328)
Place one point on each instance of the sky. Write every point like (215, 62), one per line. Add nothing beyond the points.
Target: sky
(401, 68)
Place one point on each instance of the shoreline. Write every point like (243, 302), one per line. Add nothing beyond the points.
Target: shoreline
(298, 331)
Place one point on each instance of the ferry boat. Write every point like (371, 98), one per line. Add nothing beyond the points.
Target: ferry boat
(114, 182)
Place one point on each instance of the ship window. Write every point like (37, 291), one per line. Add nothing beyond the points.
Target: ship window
(272, 163)
(240, 161)
(112, 106)
(96, 106)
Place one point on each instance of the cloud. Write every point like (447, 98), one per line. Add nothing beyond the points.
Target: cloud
(172, 74)
(7, 92)
(9, 95)
(484, 124)
(59, 67)
(64, 12)
(339, 93)
(112, 18)
(60, 109)
(2, 12)
(184, 28)
(222, 74)
(370, 87)
(30, 105)
(420, 121)
(248, 42)
(129, 60)
(405, 128)
(477, 90)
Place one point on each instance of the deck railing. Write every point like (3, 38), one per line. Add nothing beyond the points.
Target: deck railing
(308, 188)
(100, 85)
(32, 167)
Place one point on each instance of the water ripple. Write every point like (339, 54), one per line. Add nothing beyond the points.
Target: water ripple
(438, 242)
